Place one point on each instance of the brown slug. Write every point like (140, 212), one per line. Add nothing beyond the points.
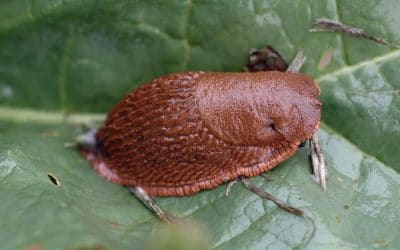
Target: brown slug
(184, 132)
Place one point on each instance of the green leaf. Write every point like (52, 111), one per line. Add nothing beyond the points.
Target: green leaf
(63, 63)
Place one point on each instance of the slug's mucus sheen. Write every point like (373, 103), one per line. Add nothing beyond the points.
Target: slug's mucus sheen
(184, 132)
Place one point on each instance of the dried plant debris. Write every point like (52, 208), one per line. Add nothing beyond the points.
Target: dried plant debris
(297, 63)
(325, 24)
(267, 196)
(282, 205)
(266, 59)
(318, 162)
(149, 202)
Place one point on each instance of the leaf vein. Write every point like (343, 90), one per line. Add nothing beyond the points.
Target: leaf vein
(349, 69)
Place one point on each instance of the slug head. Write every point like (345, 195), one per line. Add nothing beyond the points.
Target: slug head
(296, 112)
(261, 109)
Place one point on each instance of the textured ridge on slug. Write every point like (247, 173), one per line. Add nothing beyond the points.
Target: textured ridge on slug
(184, 132)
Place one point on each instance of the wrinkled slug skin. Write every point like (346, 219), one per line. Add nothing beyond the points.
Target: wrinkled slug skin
(184, 132)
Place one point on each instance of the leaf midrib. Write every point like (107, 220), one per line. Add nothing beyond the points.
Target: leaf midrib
(48, 117)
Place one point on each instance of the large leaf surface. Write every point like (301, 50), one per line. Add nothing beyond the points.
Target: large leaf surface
(63, 61)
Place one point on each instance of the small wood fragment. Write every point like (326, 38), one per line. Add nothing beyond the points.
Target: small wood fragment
(151, 204)
(297, 63)
(318, 162)
(329, 25)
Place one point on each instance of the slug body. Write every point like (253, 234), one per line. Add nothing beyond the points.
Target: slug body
(184, 132)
